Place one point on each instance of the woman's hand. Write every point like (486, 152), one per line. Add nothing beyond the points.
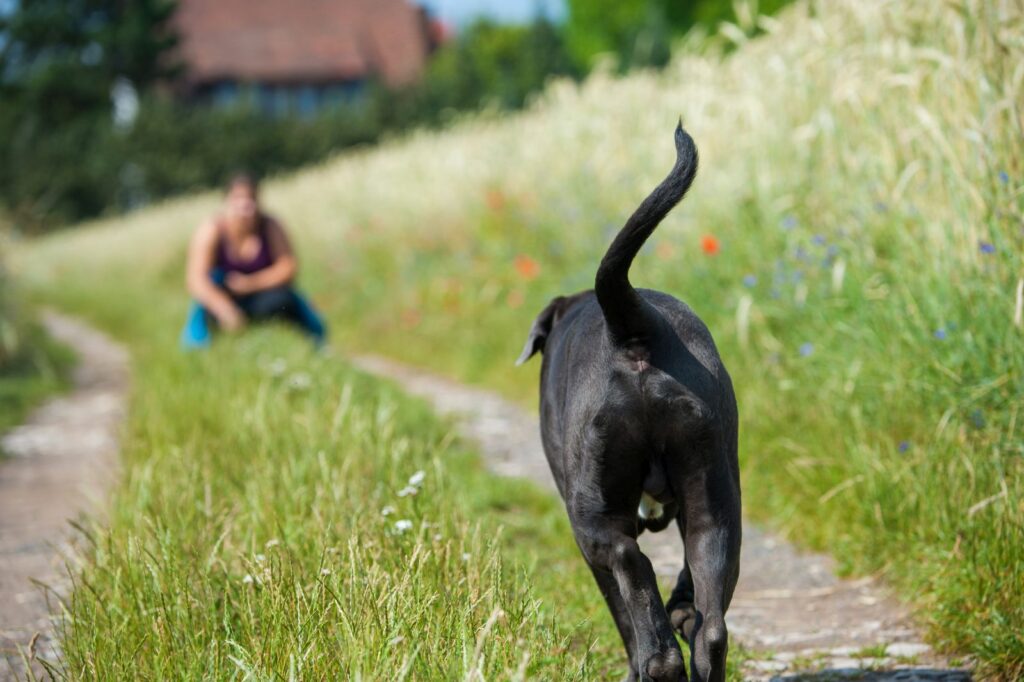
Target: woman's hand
(240, 284)
(231, 319)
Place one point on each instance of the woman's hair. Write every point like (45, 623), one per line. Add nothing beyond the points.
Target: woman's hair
(243, 178)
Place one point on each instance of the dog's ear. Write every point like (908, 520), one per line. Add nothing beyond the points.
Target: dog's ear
(540, 329)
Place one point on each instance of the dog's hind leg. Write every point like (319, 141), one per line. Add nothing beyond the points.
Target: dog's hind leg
(712, 540)
(609, 545)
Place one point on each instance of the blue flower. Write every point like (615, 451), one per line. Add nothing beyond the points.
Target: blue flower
(986, 247)
(806, 349)
(818, 239)
(978, 419)
(788, 222)
(749, 281)
(904, 446)
(1004, 177)
(881, 206)
(940, 334)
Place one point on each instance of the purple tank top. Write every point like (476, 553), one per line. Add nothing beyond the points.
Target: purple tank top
(263, 258)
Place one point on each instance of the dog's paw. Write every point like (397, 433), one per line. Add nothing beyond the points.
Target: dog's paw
(683, 618)
(666, 666)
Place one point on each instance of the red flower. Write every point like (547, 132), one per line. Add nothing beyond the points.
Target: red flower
(526, 267)
(709, 244)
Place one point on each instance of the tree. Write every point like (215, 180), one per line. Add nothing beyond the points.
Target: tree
(59, 60)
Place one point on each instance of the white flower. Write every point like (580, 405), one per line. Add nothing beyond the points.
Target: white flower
(325, 571)
(403, 525)
(273, 542)
(248, 579)
(299, 381)
(417, 478)
(387, 511)
(277, 367)
(437, 537)
(261, 558)
(408, 490)
(466, 556)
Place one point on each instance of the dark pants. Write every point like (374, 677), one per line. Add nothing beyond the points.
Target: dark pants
(280, 303)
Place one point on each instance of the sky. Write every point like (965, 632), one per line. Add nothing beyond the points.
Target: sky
(459, 12)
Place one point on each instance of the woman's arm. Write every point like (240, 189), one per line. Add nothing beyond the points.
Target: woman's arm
(279, 273)
(200, 261)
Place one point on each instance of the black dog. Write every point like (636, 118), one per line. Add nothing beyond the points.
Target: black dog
(638, 413)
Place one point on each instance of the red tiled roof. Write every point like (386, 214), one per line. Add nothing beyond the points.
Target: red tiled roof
(302, 40)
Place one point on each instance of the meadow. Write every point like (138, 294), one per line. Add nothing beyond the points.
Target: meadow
(853, 240)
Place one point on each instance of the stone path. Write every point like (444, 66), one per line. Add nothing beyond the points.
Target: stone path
(56, 466)
(800, 621)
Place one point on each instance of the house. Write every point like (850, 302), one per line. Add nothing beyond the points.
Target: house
(298, 56)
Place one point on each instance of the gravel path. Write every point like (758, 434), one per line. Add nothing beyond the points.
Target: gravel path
(57, 465)
(790, 609)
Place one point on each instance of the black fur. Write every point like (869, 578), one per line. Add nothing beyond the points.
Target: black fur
(634, 399)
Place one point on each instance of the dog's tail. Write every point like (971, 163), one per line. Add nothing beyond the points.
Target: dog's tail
(625, 312)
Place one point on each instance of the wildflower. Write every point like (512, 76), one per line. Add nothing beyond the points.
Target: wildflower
(495, 199)
(438, 537)
(978, 419)
(417, 478)
(788, 222)
(527, 267)
(325, 571)
(273, 542)
(408, 491)
(806, 349)
(248, 579)
(903, 446)
(387, 511)
(299, 381)
(750, 281)
(710, 244)
(986, 247)
(466, 556)
(1004, 177)
(881, 206)
(940, 334)
(403, 525)
(260, 558)
(818, 239)
(277, 367)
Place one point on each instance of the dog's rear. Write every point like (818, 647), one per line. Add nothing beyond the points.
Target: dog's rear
(639, 424)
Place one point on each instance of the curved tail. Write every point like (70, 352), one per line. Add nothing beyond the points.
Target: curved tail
(625, 312)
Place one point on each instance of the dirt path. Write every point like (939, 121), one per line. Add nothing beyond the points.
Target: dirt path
(57, 465)
(801, 621)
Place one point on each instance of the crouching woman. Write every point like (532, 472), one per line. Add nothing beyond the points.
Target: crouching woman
(240, 269)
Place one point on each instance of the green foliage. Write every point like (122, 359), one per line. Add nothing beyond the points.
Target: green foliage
(639, 33)
(493, 64)
(32, 366)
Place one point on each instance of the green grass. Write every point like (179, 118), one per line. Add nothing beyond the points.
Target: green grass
(32, 365)
(862, 169)
(36, 371)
